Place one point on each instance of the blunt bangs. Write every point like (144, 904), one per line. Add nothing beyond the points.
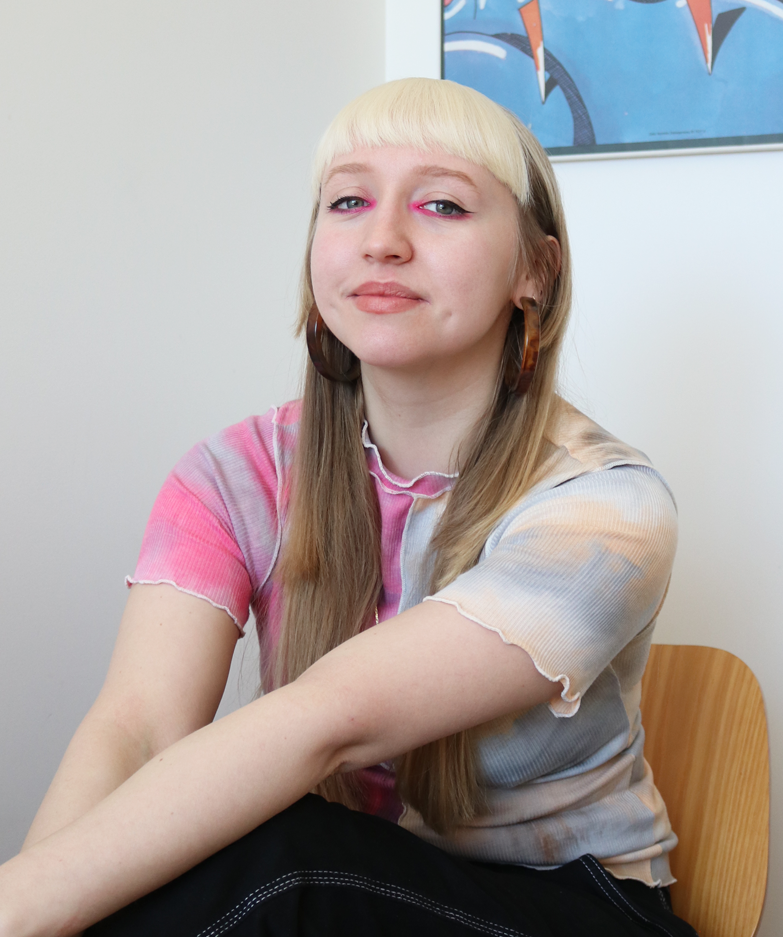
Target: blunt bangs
(429, 114)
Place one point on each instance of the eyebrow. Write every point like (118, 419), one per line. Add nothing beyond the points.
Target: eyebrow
(443, 173)
(434, 171)
(346, 168)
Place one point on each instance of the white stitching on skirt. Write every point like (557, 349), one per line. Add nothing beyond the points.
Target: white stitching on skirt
(292, 879)
(618, 892)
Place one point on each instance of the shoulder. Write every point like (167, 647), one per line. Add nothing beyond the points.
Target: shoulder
(626, 509)
(578, 446)
(215, 529)
(580, 564)
(595, 494)
(592, 482)
(258, 448)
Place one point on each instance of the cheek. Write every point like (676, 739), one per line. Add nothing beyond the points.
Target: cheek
(480, 271)
(318, 266)
(328, 259)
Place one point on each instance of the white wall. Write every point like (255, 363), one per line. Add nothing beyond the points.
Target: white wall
(152, 209)
(676, 347)
(154, 160)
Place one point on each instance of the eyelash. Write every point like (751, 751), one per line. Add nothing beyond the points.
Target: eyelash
(333, 206)
(458, 210)
(458, 213)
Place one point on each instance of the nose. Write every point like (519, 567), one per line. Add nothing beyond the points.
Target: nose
(387, 236)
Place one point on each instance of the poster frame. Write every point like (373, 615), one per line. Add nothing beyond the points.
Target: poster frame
(418, 14)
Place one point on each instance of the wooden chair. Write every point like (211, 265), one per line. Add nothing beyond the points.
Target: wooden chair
(706, 740)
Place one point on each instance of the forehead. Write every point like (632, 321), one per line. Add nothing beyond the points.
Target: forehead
(396, 162)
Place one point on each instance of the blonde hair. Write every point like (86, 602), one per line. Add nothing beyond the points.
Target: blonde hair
(330, 570)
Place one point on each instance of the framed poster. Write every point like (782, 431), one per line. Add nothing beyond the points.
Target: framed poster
(596, 78)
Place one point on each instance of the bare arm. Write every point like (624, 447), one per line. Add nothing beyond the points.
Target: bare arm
(165, 680)
(420, 676)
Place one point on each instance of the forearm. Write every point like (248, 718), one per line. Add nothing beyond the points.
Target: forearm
(101, 756)
(209, 789)
(182, 806)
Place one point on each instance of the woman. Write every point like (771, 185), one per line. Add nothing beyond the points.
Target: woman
(455, 576)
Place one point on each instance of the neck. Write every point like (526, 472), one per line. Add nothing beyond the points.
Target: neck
(418, 422)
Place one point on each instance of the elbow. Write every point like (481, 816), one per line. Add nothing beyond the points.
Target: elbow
(341, 733)
(347, 745)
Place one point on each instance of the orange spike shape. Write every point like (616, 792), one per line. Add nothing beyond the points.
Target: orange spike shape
(701, 11)
(531, 19)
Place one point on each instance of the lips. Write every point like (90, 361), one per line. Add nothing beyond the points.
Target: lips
(385, 289)
(381, 298)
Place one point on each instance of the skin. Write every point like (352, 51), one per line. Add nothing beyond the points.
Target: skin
(148, 773)
(429, 370)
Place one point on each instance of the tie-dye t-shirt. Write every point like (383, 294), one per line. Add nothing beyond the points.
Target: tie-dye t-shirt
(575, 574)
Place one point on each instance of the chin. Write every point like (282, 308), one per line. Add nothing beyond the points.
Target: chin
(401, 365)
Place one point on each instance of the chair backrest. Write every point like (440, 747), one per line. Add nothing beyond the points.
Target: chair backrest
(706, 740)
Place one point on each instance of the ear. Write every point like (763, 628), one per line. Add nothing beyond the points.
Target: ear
(529, 285)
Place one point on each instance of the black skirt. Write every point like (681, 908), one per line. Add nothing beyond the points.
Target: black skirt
(320, 870)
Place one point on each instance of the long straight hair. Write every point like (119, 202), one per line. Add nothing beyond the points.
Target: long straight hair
(330, 569)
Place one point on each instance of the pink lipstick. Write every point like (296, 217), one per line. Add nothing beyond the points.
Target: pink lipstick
(383, 298)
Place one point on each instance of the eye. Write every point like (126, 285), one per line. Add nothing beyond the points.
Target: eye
(348, 203)
(444, 208)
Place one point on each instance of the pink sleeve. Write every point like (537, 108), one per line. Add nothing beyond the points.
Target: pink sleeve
(214, 530)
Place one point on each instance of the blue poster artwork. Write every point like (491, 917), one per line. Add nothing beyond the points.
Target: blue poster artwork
(593, 76)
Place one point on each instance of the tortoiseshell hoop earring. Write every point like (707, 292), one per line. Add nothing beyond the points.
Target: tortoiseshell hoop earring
(315, 332)
(519, 378)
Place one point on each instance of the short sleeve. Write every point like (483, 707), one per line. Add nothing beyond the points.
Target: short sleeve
(573, 574)
(214, 529)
